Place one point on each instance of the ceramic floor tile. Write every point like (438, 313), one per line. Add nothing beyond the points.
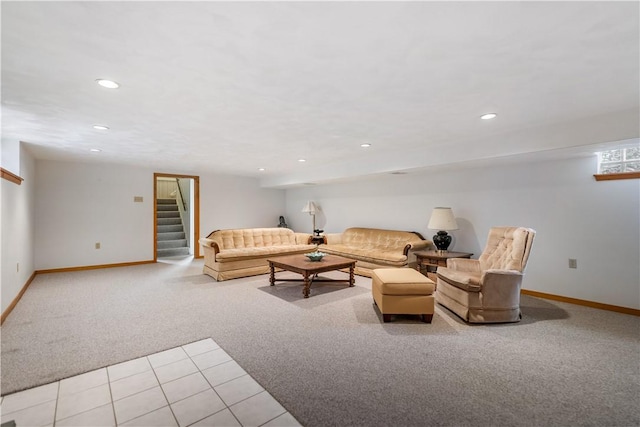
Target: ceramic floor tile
(184, 387)
(211, 358)
(33, 416)
(33, 396)
(125, 369)
(101, 416)
(284, 420)
(167, 356)
(175, 370)
(223, 372)
(83, 382)
(239, 389)
(200, 347)
(162, 417)
(257, 410)
(134, 384)
(223, 418)
(139, 404)
(197, 407)
(83, 401)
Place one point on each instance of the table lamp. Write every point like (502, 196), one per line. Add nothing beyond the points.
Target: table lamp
(311, 209)
(442, 219)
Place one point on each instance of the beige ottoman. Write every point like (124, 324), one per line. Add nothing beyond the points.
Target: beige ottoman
(402, 291)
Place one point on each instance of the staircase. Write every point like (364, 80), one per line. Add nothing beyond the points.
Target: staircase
(171, 238)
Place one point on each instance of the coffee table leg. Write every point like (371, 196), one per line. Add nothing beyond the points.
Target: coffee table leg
(307, 285)
(272, 276)
(352, 280)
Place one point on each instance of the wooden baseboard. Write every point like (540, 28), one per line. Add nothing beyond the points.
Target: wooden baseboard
(94, 267)
(11, 306)
(592, 304)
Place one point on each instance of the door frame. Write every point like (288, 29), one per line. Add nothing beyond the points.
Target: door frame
(196, 211)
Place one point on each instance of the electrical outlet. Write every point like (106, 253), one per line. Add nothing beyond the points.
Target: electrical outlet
(18, 267)
(137, 199)
(573, 263)
(97, 245)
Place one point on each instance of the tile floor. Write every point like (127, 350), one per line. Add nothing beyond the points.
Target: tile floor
(197, 384)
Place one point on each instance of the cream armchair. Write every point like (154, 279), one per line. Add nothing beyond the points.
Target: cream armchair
(487, 290)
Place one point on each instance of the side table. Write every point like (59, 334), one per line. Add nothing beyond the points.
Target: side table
(429, 261)
(318, 240)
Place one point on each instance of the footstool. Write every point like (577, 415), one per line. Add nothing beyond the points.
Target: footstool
(402, 291)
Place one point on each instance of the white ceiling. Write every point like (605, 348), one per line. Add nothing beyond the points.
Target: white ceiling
(230, 87)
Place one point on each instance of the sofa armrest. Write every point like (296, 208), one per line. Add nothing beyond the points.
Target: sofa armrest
(421, 245)
(208, 243)
(333, 238)
(303, 238)
(464, 264)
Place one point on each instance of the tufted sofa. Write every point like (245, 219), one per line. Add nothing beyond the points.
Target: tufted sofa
(374, 248)
(229, 254)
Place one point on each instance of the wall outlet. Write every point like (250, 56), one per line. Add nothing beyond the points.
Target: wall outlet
(17, 267)
(573, 263)
(97, 245)
(137, 199)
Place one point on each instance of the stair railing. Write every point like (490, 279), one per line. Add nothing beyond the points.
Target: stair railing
(184, 204)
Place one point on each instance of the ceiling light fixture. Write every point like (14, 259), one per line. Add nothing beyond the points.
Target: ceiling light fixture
(261, 169)
(488, 116)
(302, 160)
(109, 84)
(95, 150)
(100, 127)
(365, 145)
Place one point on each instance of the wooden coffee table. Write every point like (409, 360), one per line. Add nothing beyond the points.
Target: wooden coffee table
(310, 269)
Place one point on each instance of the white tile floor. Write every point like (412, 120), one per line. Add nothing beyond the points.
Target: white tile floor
(197, 384)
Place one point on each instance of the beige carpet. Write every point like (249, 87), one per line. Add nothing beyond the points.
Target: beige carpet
(329, 359)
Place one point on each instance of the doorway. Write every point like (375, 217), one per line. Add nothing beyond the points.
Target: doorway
(176, 215)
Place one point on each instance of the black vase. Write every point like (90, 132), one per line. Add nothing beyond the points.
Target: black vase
(442, 240)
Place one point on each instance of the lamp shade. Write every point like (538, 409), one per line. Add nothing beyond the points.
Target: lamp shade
(310, 208)
(442, 219)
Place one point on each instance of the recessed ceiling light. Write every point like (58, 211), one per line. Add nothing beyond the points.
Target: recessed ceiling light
(100, 127)
(95, 150)
(302, 160)
(488, 116)
(109, 84)
(365, 145)
(261, 169)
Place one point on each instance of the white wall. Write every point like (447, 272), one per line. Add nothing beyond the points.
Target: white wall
(598, 223)
(80, 204)
(237, 202)
(18, 216)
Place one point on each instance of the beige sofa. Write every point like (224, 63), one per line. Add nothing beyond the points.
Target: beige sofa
(229, 254)
(375, 248)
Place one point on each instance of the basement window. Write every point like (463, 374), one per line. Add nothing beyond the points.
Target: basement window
(620, 163)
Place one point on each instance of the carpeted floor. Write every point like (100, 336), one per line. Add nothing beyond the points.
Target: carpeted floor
(329, 359)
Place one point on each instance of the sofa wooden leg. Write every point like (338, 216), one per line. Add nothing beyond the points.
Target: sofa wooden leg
(386, 318)
(426, 318)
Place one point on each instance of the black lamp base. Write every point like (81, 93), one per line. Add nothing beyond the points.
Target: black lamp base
(442, 240)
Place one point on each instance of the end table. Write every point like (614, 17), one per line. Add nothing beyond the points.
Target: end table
(429, 261)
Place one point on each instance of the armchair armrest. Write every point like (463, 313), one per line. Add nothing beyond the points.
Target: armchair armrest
(501, 288)
(464, 264)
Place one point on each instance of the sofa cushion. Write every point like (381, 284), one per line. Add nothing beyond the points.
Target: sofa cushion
(366, 254)
(253, 238)
(229, 255)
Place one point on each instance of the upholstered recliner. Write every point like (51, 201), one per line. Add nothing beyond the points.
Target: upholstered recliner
(487, 290)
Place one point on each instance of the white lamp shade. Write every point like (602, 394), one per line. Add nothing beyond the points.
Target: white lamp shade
(442, 219)
(310, 208)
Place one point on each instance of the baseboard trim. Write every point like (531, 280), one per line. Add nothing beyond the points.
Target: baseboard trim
(586, 303)
(94, 267)
(11, 306)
